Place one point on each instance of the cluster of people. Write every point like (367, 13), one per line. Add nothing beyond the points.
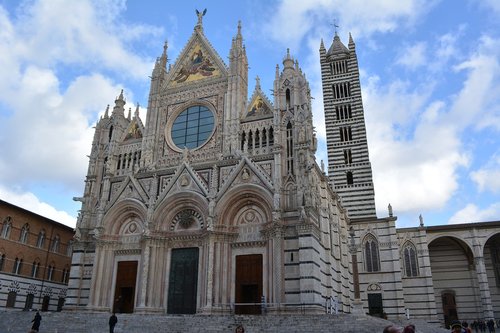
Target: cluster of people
(477, 326)
(394, 329)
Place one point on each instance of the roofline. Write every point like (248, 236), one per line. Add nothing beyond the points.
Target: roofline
(486, 224)
(64, 226)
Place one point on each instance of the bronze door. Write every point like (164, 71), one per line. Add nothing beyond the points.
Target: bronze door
(126, 276)
(248, 284)
(183, 281)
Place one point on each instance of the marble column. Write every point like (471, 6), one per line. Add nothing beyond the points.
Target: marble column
(484, 287)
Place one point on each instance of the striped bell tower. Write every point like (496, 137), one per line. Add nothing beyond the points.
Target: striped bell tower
(349, 167)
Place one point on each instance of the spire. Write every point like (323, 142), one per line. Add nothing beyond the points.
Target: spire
(106, 113)
(288, 61)
(164, 58)
(129, 116)
(257, 82)
(337, 47)
(119, 104)
(136, 113)
(352, 46)
(277, 75)
(322, 46)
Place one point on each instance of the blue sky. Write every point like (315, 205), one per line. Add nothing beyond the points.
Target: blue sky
(430, 77)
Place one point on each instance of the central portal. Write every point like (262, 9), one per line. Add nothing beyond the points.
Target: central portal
(183, 281)
(126, 276)
(248, 284)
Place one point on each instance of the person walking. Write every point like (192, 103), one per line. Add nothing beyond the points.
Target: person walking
(112, 322)
(491, 325)
(36, 322)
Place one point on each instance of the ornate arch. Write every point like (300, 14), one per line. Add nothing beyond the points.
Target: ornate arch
(182, 211)
(245, 204)
(125, 217)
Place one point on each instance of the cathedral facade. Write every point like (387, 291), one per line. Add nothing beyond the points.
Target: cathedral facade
(216, 203)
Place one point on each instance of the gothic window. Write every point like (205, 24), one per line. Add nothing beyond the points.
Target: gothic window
(41, 239)
(69, 249)
(110, 133)
(55, 244)
(192, 127)
(35, 268)
(347, 156)
(2, 261)
(257, 139)
(23, 237)
(371, 255)
(349, 178)
(264, 138)
(288, 98)
(410, 260)
(50, 272)
(18, 265)
(250, 140)
(345, 133)
(65, 275)
(243, 140)
(7, 226)
(271, 136)
(289, 148)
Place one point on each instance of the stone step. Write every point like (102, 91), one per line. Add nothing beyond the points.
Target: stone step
(87, 322)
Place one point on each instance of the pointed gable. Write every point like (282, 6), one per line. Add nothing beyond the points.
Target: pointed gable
(259, 106)
(197, 61)
(134, 131)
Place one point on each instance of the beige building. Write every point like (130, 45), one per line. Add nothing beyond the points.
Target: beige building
(216, 204)
(35, 259)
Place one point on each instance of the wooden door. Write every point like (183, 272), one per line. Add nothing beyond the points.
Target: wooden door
(183, 281)
(248, 284)
(126, 277)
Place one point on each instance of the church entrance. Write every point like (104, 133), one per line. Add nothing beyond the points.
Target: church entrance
(449, 308)
(126, 276)
(183, 281)
(248, 284)
(375, 307)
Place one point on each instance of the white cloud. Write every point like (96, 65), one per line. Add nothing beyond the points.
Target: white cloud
(473, 213)
(487, 178)
(413, 56)
(362, 18)
(30, 202)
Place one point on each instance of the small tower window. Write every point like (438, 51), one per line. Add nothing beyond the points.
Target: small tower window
(347, 156)
(289, 148)
(110, 133)
(288, 98)
(349, 177)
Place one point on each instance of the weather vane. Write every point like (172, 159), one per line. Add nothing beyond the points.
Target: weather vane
(335, 25)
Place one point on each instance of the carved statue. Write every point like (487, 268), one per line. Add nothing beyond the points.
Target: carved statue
(200, 16)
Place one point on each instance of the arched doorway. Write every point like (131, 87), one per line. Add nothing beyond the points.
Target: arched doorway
(454, 279)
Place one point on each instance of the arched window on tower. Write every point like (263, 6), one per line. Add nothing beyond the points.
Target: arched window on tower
(23, 237)
(250, 140)
(350, 178)
(288, 99)
(289, 148)
(271, 136)
(372, 263)
(110, 134)
(257, 139)
(410, 260)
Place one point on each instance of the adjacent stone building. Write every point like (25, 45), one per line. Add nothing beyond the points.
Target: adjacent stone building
(35, 259)
(216, 204)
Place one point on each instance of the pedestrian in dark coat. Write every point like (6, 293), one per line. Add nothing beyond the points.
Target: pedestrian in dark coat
(112, 322)
(36, 322)
(491, 325)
